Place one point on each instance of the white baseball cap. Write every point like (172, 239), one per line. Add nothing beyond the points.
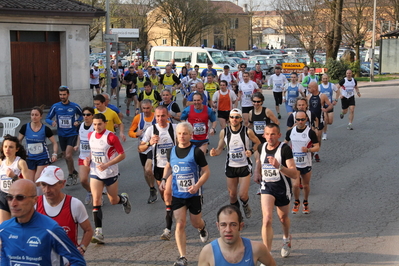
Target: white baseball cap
(51, 175)
(236, 111)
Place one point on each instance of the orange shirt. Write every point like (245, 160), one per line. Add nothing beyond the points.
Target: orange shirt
(135, 124)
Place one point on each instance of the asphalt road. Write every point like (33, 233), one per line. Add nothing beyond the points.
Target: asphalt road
(354, 217)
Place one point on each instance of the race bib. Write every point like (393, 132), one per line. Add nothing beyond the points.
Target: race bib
(278, 86)
(35, 148)
(329, 96)
(161, 154)
(291, 101)
(199, 128)
(98, 157)
(259, 127)
(237, 154)
(64, 121)
(84, 145)
(248, 94)
(300, 159)
(184, 181)
(132, 90)
(169, 87)
(270, 173)
(6, 182)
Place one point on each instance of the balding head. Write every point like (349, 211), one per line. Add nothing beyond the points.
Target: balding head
(23, 209)
(312, 87)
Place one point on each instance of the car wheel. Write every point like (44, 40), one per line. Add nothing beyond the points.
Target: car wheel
(271, 71)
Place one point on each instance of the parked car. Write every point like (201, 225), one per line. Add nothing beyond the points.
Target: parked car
(261, 52)
(365, 70)
(235, 61)
(238, 54)
(263, 65)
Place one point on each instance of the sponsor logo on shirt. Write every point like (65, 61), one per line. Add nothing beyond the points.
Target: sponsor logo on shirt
(34, 241)
(176, 168)
(70, 110)
(13, 236)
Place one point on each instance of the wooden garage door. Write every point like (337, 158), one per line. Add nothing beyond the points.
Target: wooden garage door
(36, 68)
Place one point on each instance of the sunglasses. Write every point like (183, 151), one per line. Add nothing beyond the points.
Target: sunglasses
(256, 101)
(86, 114)
(300, 119)
(235, 117)
(10, 197)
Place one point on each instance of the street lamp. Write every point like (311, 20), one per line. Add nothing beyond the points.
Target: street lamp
(373, 44)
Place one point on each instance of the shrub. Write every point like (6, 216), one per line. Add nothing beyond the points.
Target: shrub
(336, 69)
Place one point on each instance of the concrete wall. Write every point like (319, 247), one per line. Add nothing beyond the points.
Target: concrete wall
(74, 45)
(389, 53)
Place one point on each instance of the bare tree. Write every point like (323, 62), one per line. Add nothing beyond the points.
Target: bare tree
(186, 20)
(303, 22)
(334, 35)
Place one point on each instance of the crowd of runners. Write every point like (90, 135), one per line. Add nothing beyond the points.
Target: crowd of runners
(173, 147)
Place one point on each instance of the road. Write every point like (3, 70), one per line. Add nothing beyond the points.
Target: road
(354, 217)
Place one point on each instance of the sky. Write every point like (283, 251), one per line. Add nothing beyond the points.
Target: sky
(261, 4)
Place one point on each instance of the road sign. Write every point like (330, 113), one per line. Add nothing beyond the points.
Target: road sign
(126, 33)
(293, 66)
(110, 37)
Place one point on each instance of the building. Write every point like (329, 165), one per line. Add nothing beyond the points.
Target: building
(45, 44)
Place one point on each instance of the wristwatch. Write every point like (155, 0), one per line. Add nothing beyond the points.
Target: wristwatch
(148, 143)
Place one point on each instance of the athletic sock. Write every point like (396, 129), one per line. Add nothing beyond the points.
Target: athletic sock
(169, 217)
(122, 199)
(97, 216)
(244, 202)
(237, 204)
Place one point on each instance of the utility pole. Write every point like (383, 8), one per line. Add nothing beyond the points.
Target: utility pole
(373, 44)
(107, 50)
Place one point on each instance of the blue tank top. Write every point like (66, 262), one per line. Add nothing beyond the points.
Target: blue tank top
(291, 94)
(247, 259)
(36, 143)
(327, 91)
(185, 172)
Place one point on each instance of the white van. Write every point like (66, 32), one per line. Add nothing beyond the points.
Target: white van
(195, 55)
(295, 51)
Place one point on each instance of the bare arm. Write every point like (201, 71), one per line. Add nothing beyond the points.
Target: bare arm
(24, 170)
(254, 139)
(20, 137)
(87, 234)
(273, 118)
(262, 254)
(206, 256)
(201, 181)
(219, 149)
(55, 148)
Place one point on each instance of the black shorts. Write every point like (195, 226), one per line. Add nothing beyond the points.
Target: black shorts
(131, 94)
(278, 97)
(224, 114)
(33, 164)
(67, 141)
(199, 143)
(92, 86)
(245, 110)
(346, 102)
(145, 157)
(158, 173)
(281, 199)
(332, 110)
(304, 170)
(244, 171)
(3, 202)
(193, 204)
(107, 181)
(321, 126)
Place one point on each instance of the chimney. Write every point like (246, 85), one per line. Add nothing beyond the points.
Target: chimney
(245, 8)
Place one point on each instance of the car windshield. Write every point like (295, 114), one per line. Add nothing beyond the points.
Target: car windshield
(218, 57)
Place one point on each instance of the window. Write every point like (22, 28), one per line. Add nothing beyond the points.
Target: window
(164, 41)
(205, 42)
(35, 36)
(233, 44)
(202, 58)
(183, 57)
(233, 23)
(163, 56)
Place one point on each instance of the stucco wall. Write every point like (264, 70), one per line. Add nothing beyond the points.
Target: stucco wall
(389, 53)
(74, 45)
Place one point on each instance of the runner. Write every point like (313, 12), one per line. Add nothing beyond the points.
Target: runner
(12, 167)
(238, 167)
(291, 92)
(67, 211)
(187, 162)
(172, 106)
(160, 137)
(275, 167)
(151, 94)
(311, 77)
(260, 116)
(223, 101)
(245, 90)
(36, 134)
(301, 104)
(83, 144)
(65, 113)
(277, 81)
(230, 248)
(139, 126)
(347, 86)
(328, 88)
(130, 80)
(199, 115)
(106, 153)
(304, 141)
(169, 81)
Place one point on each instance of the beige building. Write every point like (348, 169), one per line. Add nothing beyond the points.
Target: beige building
(231, 32)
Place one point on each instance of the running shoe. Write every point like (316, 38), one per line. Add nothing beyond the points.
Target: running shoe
(69, 181)
(166, 235)
(286, 249)
(305, 209)
(278, 116)
(247, 210)
(259, 192)
(341, 115)
(349, 127)
(88, 198)
(317, 157)
(153, 196)
(127, 112)
(104, 191)
(203, 234)
(98, 238)
(114, 97)
(295, 209)
(324, 136)
(75, 177)
(126, 206)
(181, 261)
